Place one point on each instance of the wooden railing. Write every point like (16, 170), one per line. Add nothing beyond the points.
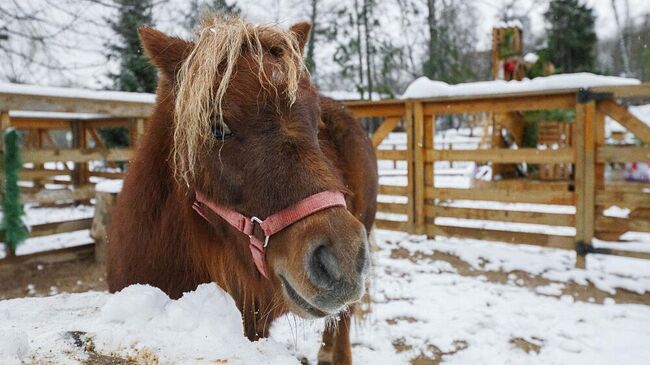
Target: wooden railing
(424, 205)
(418, 205)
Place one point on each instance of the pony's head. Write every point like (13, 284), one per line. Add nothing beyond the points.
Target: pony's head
(245, 134)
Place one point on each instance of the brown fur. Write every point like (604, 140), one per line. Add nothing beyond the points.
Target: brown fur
(283, 151)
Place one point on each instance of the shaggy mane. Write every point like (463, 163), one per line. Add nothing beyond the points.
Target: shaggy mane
(219, 45)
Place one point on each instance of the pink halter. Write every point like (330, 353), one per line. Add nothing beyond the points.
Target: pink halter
(273, 223)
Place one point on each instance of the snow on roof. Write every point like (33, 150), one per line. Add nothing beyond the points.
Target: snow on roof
(423, 87)
(509, 24)
(204, 326)
(55, 115)
(11, 88)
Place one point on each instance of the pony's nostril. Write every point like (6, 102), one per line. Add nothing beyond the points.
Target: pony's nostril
(324, 268)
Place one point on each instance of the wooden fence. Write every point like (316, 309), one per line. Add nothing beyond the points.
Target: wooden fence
(421, 207)
(418, 205)
(62, 149)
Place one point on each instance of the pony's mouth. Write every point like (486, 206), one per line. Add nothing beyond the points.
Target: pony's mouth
(301, 302)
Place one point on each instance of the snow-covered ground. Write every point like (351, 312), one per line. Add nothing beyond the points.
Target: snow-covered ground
(422, 307)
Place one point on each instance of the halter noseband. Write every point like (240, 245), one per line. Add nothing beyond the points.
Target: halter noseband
(273, 223)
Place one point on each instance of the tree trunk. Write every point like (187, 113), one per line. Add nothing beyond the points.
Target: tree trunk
(366, 27)
(313, 16)
(359, 50)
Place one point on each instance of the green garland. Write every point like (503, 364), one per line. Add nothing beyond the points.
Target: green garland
(12, 222)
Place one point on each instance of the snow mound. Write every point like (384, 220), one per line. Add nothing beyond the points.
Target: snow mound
(140, 322)
(423, 87)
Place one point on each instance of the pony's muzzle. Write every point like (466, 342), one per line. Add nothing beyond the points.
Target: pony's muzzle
(338, 270)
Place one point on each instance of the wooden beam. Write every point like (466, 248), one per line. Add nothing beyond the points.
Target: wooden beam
(506, 196)
(418, 167)
(39, 123)
(500, 104)
(392, 190)
(528, 155)
(626, 119)
(377, 110)
(392, 225)
(391, 154)
(409, 123)
(551, 219)
(60, 227)
(384, 130)
(395, 208)
(76, 155)
(615, 224)
(54, 256)
(49, 196)
(623, 199)
(51, 103)
(537, 239)
(623, 154)
(624, 91)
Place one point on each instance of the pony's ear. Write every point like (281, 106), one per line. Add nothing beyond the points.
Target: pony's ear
(301, 31)
(167, 53)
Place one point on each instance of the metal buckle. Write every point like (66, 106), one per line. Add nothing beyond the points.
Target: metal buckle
(259, 221)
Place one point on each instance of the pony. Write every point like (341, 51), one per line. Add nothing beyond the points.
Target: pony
(239, 134)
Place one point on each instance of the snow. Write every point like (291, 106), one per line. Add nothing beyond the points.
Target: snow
(423, 87)
(531, 58)
(65, 92)
(109, 186)
(141, 322)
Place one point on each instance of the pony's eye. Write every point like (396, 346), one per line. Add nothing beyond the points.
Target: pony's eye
(221, 131)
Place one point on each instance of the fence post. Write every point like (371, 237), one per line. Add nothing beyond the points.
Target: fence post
(585, 175)
(418, 164)
(429, 170)
(410, 187)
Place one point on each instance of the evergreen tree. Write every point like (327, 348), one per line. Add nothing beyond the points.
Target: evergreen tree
(571, 35)
(135, 74)
(15, 231)
(451, 38)
(201, 8)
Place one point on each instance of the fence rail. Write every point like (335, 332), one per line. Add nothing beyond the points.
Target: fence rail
(66, 174)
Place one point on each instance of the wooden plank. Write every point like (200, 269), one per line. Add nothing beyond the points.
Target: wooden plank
(60, 227)
(579, 147)
(392, 190)
(506, 196)
(76, 155)
(395, 208)
(623, 154)
(500, 104)
(51, 103)
(523, 184)
(26, 174)
(391, 154)
(624, 91)
(551, 219)
(429, 144)
(627, 186)
(537, 239)
(626, 119)
(623, 199)
(47, 196)
(39, 123)
(384, 130)
(377, 110)
(409, 121)
(392, 225)
(54, 256)
(418, 167)
(503, 155)
(590, 171)
(108, 175)
(615, 224)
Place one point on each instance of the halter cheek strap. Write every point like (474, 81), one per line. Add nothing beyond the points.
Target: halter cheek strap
(273, 223)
